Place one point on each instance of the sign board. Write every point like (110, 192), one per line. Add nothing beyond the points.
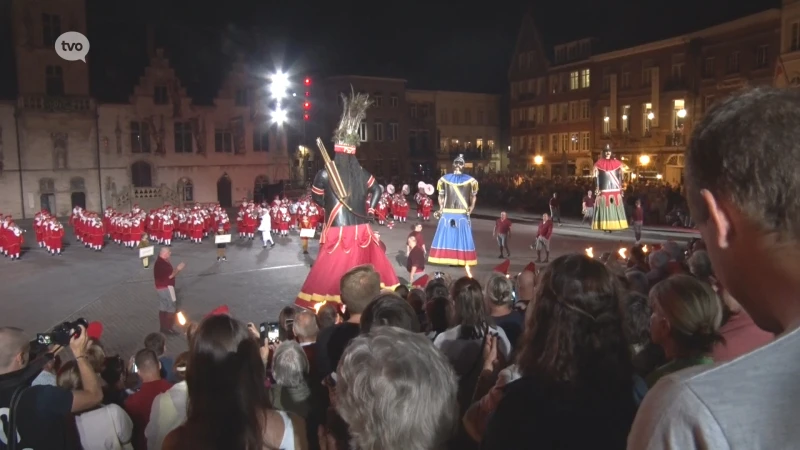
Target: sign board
(222, 239)
(307, 233)
(144, 252)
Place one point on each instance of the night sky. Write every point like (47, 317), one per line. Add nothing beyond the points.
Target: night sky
(435, 45)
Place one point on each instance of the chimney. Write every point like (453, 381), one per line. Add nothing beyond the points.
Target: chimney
(151, 41)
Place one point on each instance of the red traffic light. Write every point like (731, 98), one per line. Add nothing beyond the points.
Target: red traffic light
(306, 117)
(307, 105)
(307, 81)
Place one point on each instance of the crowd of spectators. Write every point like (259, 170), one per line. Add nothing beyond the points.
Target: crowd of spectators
(678, 347)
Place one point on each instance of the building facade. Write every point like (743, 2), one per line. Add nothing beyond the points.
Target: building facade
(384, 149)
(787, 70)
(640, 101)
(74, 150)
(422, 134)
(468, 124)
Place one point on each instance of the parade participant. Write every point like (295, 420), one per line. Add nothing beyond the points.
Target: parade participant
(285, 220)
(265, 227)
(96, 235)
(502, 230)
(347, 239)
(382, 211)
(305, 230)
(164, 276)
(609, 211)
(55, 237)
(415, 261)
(416, 231)
(400, 208)
(555, 208)
(221, 247)
(426, 204)
(3, 234)
(418, 197)
(41, 225)
(453, 243)
(638, 221)
(167, 226)
(15, 238)
(587, 207)
(144, 242)
(543, 234)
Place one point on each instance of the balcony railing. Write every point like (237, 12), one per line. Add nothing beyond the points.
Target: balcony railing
(56, 104)
(675, 139)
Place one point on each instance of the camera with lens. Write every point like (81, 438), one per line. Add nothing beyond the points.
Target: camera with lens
(61, 334)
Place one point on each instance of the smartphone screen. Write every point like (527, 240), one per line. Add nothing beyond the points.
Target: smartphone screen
(44, 339)
(272, 332)
(134, 369)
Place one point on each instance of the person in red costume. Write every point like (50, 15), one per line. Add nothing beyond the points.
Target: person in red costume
(347, 239)
(609, 211)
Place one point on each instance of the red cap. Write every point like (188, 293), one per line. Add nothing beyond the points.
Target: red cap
(220, 311)
(94, 330)
(503, 267)
(421, 282)
(531, 267)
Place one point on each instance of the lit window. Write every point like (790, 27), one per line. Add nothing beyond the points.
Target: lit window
(574, 80)
(585, 78)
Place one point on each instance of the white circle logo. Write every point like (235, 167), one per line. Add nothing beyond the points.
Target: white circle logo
(72, 46)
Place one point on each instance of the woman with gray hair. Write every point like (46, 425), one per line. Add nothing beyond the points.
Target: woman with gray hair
(290, 392)
(395, 391)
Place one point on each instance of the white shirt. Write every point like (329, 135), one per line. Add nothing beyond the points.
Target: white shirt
(167, 413)
(105, 428)
(266, 223)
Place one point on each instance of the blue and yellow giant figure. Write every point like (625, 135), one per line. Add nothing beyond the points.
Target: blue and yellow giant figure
(453, 244)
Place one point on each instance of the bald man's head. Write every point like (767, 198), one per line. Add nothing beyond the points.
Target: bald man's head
(14, 348)
(526, 285)
(164, 253)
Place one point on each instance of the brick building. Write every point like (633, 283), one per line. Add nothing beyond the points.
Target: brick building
(569, 103)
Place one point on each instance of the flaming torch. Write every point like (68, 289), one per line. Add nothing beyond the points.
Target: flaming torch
(589, 252)
(181, 319)
(469, 272)
(644, 249)
(621, 252)
(317, 306)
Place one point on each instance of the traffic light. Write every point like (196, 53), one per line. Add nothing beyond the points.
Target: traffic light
(306, 105)
(307, 81)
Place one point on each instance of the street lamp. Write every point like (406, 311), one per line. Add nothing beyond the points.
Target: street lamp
(606, 119)
(644, 160)
(538, 160)
(278, 116)
(278, 85)
(659, 176)
(681, 113)
(651, 116)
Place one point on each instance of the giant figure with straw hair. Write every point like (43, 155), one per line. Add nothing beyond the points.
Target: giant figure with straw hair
(342, 187)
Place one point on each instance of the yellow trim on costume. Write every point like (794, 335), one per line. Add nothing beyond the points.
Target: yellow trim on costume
(453, 261)
(454, 211)
(319, 298)
(610, 225)
(460, 184)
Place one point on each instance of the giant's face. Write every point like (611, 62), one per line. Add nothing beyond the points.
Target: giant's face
(607, 154)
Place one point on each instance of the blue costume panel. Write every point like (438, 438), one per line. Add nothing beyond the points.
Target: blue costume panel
(453, 243)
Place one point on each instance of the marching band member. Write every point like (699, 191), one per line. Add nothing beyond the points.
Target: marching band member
(15, 238)
(306, 230)
(265, 227)
(55, 237)
(221, 247)
(285, 219)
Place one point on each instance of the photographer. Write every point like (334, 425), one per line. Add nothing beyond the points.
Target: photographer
(41, 410)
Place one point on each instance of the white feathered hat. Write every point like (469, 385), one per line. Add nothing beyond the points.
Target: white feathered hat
(429, 189)
(421, 185)
(390, 189)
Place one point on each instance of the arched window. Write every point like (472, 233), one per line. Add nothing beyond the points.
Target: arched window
(186, 189)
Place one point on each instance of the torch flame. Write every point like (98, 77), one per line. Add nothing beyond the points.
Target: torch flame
(469, 272)
(621, 252)
(644, 248)
(589, 252)
(181, 318)
(317, 307)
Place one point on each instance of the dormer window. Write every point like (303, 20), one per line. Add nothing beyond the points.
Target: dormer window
(572, 52)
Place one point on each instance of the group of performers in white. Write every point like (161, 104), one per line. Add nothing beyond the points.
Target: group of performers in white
(197, 222)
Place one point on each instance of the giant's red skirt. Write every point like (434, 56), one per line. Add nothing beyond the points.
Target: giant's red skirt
(341, 249)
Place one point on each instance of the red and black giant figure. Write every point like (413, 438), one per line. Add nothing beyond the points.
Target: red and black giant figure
(609, 211)
(347, 239)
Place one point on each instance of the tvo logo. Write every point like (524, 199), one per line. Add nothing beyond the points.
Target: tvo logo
(72, 46)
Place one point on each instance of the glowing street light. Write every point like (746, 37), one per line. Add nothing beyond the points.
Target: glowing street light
(659, 176)
(538, 160)
(644, 160)
(681, 113)
(278, 85)
(606, 119)
(278, 116)
(651, 116)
